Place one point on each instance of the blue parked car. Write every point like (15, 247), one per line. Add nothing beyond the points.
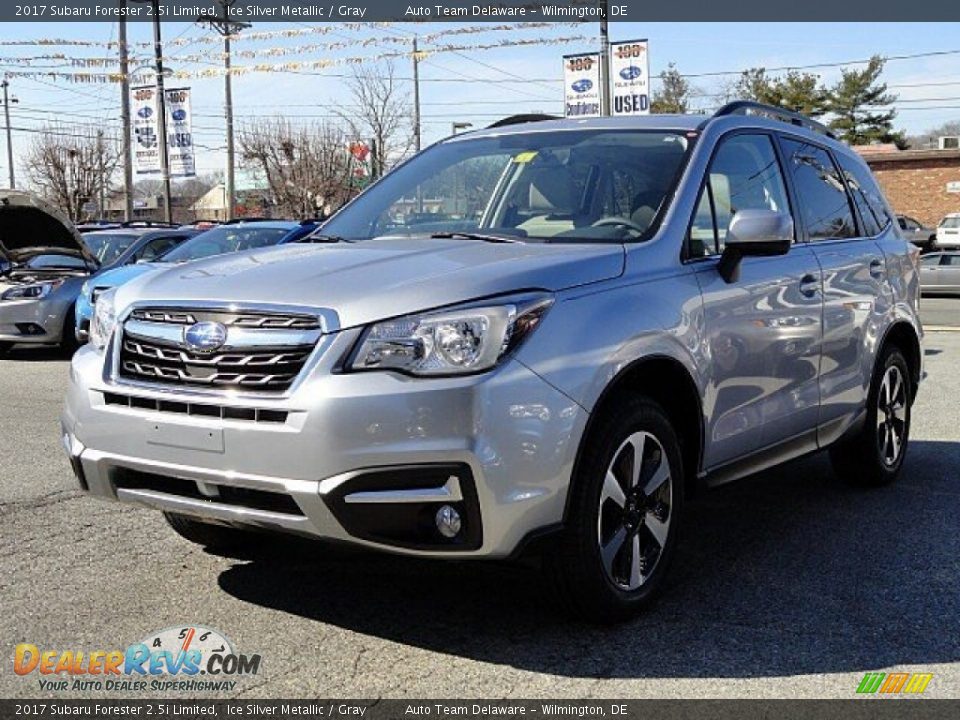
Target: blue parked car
(120, 247)
(227, 238)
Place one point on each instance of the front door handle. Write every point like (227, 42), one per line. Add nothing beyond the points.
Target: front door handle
(877, 268)
(809, 285)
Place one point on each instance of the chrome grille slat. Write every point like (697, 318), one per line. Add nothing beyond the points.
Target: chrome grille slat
(268, 353)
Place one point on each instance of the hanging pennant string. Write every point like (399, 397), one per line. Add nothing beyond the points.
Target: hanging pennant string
(298, 66)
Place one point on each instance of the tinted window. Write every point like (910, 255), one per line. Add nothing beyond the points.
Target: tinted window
(107, 247)
(157, 247)
(909, 223)
(952, 260)
(930, 260)
(869, 199)
(744, 175)
(56, 261)
(823, 199)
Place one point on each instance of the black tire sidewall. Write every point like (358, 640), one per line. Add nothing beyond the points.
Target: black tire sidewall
(594, 593)
(886, 473)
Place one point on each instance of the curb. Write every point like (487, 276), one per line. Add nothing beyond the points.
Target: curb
(941, 328)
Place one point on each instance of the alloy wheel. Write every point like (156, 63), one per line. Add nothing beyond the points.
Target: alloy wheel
(892, 416)
(635, 511)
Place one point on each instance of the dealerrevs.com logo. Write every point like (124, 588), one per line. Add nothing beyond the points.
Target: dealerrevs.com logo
(189, 658)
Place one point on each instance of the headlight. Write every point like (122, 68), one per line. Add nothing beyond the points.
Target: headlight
(104, 319)
(31, 292)
(453, 342)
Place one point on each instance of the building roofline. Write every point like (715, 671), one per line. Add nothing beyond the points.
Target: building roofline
(906, 155)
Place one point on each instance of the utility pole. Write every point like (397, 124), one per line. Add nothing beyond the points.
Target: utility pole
(162, 111)
(102, 172)
(6, 113)
(125, 116)
(226, 27)
(416, 96)
(605, 62)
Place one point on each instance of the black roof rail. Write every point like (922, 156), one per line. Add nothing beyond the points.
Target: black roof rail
(148, 224)
(743, 107)
(523, 118)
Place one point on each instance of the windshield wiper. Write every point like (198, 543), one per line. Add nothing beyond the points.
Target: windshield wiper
(323, 239)
(474, 236)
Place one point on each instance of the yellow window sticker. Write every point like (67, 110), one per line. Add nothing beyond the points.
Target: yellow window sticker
(525, 157)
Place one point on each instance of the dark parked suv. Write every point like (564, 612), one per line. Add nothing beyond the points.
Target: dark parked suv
(543, 331)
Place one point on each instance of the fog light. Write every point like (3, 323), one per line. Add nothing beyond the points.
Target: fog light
(448, 522)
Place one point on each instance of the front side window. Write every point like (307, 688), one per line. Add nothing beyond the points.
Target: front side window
(549, 186)
(951, 260)
(824, 203)
(930, 260)
(744, 175)
(950, 222)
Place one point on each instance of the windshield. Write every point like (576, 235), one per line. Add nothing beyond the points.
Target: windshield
(559, 186)
(226, 239)
(107, 247)
(950, 222)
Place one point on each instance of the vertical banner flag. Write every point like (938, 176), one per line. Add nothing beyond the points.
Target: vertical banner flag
(146, 148)
(144, 108)
(581, 82)
(179, 133)
(630, 75)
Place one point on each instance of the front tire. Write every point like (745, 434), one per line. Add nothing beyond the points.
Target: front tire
(215, 537)
(626, 503)
(874, 456)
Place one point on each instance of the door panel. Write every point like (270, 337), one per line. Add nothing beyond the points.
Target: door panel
(763, 336)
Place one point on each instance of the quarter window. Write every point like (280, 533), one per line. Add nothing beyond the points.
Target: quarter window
(869, 200)
(744, 174)
(824, 203)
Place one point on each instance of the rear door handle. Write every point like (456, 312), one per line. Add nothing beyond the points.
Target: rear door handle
(877, 268)
(809, 285)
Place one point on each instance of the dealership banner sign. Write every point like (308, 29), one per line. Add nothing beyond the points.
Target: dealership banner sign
(145, 113)
(581, 82)
(630, 78)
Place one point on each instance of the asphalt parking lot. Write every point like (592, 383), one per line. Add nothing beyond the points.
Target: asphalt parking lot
(786, 585)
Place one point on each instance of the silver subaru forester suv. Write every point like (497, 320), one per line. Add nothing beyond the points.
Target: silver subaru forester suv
(544, 331)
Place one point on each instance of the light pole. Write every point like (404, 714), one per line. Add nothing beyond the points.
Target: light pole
(605, 62)
(226, 27)
(6, 113)
(457, 126)
(125, 116)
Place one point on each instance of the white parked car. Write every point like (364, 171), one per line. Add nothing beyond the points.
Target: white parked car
(948, 232)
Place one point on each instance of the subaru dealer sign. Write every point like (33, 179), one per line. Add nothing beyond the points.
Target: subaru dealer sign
(581, 82)
(630, 78)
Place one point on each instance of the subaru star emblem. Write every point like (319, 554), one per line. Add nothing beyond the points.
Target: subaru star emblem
(205, 336)
(179, 115)
(145, 112)
(581, 86)
(631, 73)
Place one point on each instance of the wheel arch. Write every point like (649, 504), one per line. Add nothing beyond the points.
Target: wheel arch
(903, 335)
(667, 381)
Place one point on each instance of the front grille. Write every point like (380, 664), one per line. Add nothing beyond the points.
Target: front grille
(260, 415)
(265, 351)
(277, 321)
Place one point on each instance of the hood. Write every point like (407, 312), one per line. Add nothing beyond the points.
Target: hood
(376, 279)
(31, 226)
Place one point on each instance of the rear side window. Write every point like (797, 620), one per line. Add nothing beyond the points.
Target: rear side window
(951, 260)
(744, 175)
(824, 203)
(869, 200)
(930, 260)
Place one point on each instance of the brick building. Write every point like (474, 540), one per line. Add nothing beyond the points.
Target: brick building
(924, 184)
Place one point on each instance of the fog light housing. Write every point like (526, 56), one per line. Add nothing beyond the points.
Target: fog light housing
(448, 521)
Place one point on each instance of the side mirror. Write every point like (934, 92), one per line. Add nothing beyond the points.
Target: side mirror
(754, 232)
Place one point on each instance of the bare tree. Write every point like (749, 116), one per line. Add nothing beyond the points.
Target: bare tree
(307, 167)
(71, 169)
(383, 113)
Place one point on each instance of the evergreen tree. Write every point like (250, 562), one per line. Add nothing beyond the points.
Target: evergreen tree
(800, 92)
(857, 100)
(674, 93)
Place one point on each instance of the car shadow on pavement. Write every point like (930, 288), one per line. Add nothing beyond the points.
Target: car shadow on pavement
(37, 354)
(789, 572)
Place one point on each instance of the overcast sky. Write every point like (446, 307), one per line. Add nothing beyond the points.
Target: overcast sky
(477, 86)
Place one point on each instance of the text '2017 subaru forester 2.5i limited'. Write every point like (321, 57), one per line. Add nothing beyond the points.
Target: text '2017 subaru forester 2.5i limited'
(554, 329)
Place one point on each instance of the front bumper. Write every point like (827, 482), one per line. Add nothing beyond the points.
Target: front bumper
(342, 455)
(38, 322)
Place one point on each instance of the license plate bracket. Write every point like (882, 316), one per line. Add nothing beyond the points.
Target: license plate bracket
(185, 437)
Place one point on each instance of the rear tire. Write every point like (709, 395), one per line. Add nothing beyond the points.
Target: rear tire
(218, 537)
(874, 456)
(5, 348)
(624, 515)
